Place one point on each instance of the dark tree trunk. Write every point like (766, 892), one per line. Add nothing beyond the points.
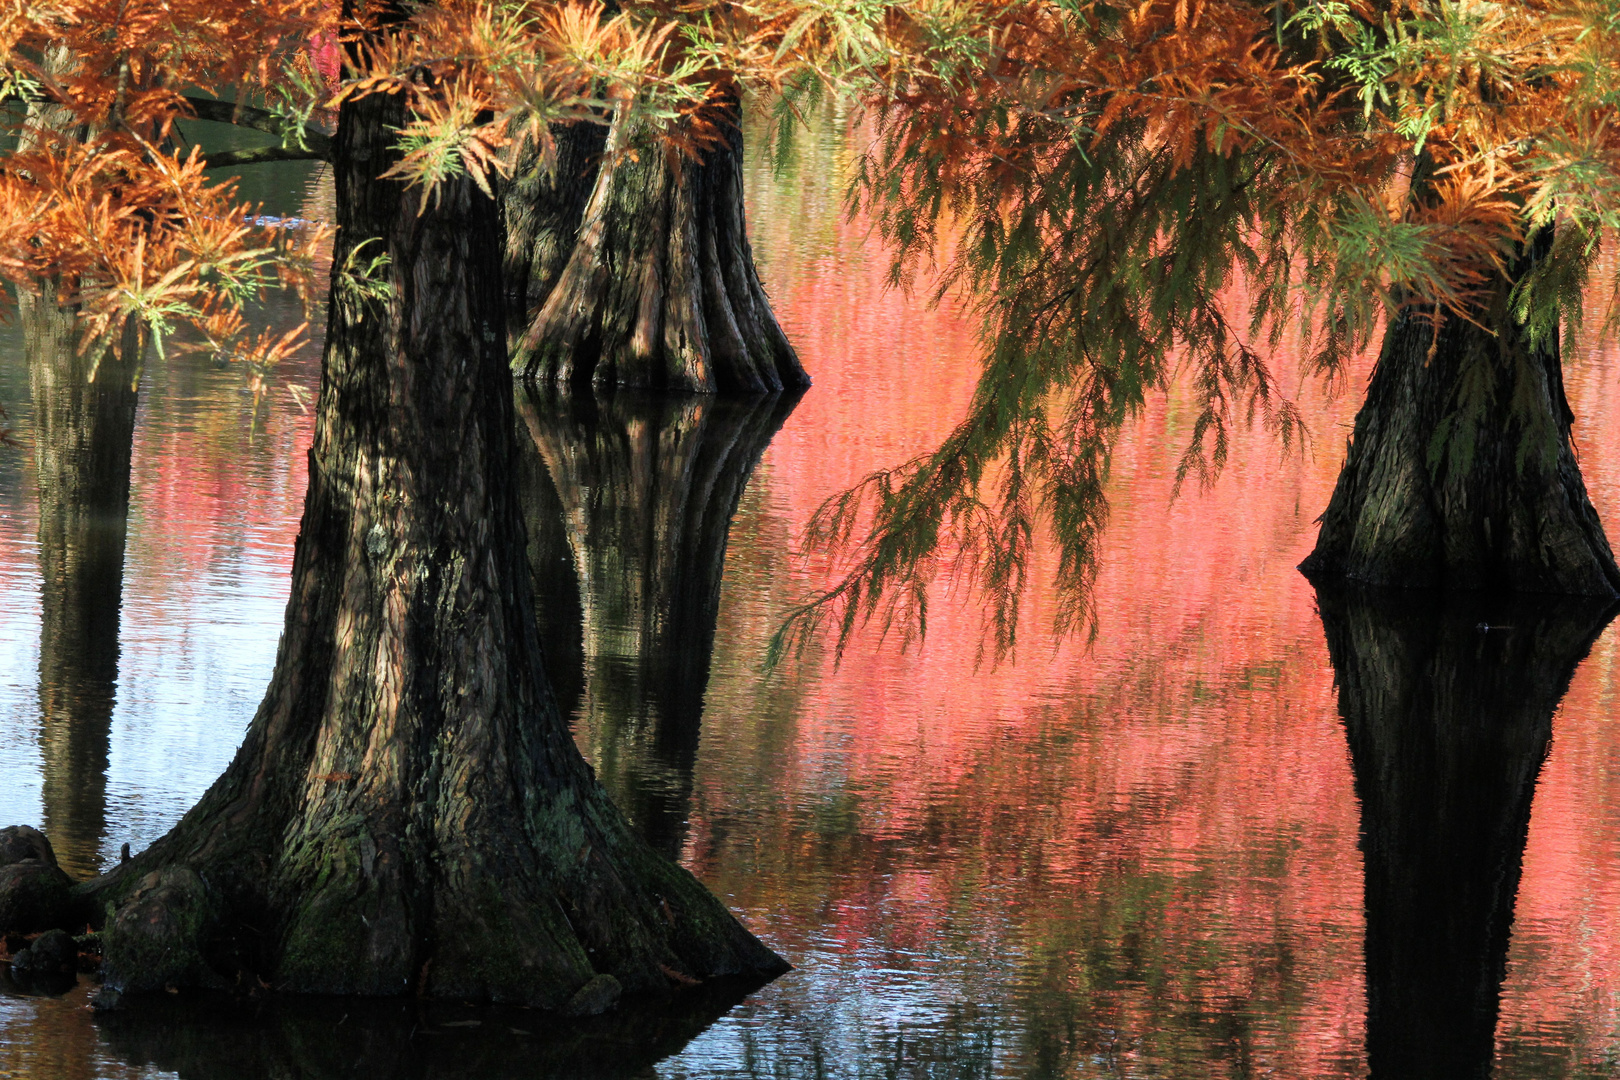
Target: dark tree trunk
(408, 812)
(629, 267)
(646, 489)
(1461, 473)
(1447, 707)
(84, 428)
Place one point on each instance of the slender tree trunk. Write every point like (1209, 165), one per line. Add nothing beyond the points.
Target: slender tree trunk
(84, 413)
(408, 812)
(1461, 472)
(631, 267)
(1447, 707)
(647, 489)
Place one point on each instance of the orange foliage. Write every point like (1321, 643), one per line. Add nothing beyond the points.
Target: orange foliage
(96, 203)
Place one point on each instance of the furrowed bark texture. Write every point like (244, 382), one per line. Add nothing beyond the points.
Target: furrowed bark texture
(408, 812)
(1447, 705)
(646, 489)
(628, 267)
(1461, 472)
(84, 427)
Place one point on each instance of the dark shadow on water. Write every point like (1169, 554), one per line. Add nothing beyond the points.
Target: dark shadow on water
(1447, 705)
(387, 1039)
(629, 501)
(84, 430)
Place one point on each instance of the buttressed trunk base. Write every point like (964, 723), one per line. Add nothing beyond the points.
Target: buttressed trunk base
(628, 265)
(1461, 472)
(408, 812)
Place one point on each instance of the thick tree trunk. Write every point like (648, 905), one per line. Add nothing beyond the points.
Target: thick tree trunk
(647, 488)
(1447, 707)
(84, 428)
(1461, 473)
(629, 267)
(408, 812)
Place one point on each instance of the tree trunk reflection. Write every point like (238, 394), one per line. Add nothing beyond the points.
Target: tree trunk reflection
(628, 520)
(1447, 705)
(84, 425)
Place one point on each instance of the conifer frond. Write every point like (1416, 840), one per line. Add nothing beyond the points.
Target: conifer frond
(1103, 179)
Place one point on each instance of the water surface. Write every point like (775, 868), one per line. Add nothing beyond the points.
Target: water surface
(1232, 836)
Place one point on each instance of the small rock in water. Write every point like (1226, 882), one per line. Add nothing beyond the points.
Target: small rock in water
(34, 896)
(19, 843)
(52, 953)
(594, 998)
(155, 938)
(49, 965)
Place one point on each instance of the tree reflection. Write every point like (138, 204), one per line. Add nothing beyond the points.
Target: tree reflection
(1447, 705)
(392, 1039)
(84, 425)
(628, 501)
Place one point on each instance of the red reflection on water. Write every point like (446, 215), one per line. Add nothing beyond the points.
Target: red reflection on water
(1004, 821)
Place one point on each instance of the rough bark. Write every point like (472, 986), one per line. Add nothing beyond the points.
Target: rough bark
(1447, 705)
(1461, 471)
(645, 489)
(628, 266)
(407, 812)
(84, 409)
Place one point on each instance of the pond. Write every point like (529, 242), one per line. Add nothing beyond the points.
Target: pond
(1245, 830)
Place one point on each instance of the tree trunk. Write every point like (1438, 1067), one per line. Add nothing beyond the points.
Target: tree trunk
(1461, 473)
(407, 812)
(628, 266)
(647, 489)
(1447, 707)
(83, 431)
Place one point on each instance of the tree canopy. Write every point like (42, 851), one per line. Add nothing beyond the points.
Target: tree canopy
(1099, 178)
(1106, 182)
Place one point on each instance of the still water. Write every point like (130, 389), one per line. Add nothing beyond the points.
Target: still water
(1246, 831)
